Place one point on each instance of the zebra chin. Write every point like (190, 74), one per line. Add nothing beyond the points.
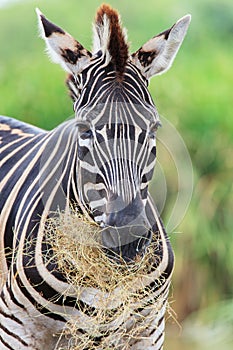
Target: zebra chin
(126, 244)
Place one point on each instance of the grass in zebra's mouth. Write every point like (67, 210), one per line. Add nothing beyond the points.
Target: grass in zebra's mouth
(77, 249)
(124, 304)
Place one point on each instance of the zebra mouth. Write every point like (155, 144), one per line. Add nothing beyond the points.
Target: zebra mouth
(126, 244)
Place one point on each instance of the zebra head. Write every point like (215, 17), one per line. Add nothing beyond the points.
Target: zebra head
(117, 122)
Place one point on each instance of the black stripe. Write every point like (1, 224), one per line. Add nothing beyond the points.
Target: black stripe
(38, 306)
(157, 326)
(15, 301)
(13, 335)
(12, 317)
(3, 299)
(4, 343)
(158, 340)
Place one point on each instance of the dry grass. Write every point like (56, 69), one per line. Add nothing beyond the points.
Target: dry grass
(124, 309)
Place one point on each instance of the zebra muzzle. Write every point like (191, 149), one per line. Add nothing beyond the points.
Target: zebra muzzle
(126, 242)
(126, 229)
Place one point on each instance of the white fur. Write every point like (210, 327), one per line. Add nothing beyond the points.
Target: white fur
(101, 35)
(166, 49)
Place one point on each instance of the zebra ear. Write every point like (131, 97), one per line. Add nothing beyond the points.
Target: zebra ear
(62, 47)
(157, 55)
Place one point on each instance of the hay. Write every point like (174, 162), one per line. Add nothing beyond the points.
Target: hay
(124, 308)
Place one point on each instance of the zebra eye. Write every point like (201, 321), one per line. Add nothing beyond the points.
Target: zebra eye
(84, 129)
(154, 127)
(86, 134)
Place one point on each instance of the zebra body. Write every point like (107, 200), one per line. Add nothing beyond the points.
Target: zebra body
(102, 160)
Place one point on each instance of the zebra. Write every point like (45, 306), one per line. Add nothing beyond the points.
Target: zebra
(102, 160)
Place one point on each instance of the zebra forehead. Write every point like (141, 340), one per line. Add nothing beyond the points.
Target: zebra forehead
(107, 115)
(110, 37)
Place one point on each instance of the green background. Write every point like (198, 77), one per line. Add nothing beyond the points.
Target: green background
(195, 96)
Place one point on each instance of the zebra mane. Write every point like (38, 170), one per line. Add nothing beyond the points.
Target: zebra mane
(111, 38)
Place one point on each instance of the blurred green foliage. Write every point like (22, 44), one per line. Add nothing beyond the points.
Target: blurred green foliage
(195, 95)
